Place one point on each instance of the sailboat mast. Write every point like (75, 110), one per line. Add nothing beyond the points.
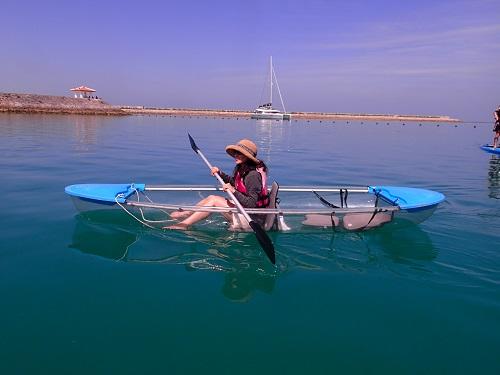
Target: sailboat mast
(271, 79)
(279, 91)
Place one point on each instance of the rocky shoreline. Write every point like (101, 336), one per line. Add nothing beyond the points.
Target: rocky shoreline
(35, 103)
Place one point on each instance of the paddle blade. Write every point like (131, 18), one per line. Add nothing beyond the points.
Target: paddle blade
(193, 144)
(264, 241)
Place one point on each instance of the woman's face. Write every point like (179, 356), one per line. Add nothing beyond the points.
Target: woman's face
(239, 157)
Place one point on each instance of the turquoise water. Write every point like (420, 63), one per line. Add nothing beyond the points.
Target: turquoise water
(83, 296)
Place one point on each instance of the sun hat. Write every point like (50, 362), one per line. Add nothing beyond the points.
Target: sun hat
(245, 147)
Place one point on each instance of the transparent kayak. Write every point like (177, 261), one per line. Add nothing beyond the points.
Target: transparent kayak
(292, 208)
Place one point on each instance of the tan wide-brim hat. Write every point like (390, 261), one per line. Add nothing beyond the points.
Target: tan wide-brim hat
(245, 147)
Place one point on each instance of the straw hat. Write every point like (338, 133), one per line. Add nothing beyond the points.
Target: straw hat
(245, 147)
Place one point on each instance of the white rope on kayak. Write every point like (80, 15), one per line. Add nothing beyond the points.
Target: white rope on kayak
(130, 213)
(144, 221)
(142, 212)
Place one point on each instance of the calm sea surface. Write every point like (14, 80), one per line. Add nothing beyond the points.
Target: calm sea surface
(86, 297)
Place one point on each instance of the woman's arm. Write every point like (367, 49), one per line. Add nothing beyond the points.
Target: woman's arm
(226, 178)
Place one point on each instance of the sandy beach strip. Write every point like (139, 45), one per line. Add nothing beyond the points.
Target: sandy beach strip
(138, 110)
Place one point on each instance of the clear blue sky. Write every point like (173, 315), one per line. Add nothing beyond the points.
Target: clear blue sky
(382, 56)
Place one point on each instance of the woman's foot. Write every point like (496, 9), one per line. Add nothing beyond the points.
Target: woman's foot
(179, 215)
(178, 226)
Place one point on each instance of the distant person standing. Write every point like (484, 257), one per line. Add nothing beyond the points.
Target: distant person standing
(496, 128)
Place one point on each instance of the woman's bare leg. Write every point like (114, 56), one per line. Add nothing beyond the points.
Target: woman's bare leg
(184, 214)
(210, 201)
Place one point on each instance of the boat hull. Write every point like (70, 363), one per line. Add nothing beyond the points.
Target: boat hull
(270, 115)
(267, 116)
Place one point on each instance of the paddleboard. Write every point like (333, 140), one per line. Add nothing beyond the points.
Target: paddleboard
(490, 149)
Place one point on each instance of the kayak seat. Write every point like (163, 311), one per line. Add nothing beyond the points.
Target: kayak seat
(268, 222)
(363, 221)
(319, 220)
(271, 221)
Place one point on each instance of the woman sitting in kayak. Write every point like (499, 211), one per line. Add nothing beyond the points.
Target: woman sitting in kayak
(248, 184)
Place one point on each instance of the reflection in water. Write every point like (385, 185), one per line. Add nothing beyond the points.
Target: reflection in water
(85, 130)
(107, 242)
(42, 127)
(239, 286)
(407, 245)
(494, 177)
(270, 135)
(239, 257)
(359, 251)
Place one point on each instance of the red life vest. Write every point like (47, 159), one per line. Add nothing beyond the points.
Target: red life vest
(263, 198)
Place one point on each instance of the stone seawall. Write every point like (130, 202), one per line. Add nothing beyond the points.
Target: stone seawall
(34, 103)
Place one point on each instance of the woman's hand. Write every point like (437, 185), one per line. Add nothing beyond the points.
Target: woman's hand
(214, 170)
(228, 187)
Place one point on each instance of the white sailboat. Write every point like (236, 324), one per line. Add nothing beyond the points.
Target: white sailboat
(266, 111)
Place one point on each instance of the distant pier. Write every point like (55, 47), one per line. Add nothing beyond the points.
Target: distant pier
(35, 103)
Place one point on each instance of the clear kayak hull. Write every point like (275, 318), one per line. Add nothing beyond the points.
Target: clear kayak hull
(300, 208)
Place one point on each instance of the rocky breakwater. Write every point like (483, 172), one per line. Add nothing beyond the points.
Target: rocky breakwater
(34, 103)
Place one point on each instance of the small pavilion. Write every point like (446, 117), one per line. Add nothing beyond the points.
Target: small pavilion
(82, 91)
